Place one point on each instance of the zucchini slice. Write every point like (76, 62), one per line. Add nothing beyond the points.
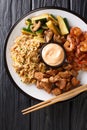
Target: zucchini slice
(39, 32)
(66, 22)
(28, 22)
(43, 16)
(44, 26)
(43, 21)
(62, 25)
(51, 26)
(27, 31)
(53, 18)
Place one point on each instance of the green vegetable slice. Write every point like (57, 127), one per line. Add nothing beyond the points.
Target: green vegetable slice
(27, 31)
(44, 26)
(62, 25)
(43, 21)
(66, 22)
(54, 28)
(28, 22)
(39, 32)
(43, 16)
(53, 19)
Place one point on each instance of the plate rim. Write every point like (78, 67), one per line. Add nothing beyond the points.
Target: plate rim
(12, 28)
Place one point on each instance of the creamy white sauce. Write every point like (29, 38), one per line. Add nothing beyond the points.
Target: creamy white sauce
(53, 54)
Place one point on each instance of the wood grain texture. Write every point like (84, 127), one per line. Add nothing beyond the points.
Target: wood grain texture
(45, 3)
(52, 117)
(78, 111)
(79, 105)
(79, 6)
(11, 100)
(68, 115)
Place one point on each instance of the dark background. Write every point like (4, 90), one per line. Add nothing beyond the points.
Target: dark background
(68, 115)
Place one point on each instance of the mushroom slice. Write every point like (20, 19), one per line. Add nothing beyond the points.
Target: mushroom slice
(48, 35)
(35, 26)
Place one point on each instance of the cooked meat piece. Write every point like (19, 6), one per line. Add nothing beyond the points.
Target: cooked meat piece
(74, 73)
(38, 85)
(46, 75)
(51, 79)
(57, 81)
(67, 67)
(56, 91)
(45, 80)
(39, 75)
(57, 77)
(63, 39)
(54, 79)
(52, 72)
(46, 86)
(75, 82)
(68, 86)
(61, 83)
(68, 79)
(65, 74)
(57, 38)
(48, 35)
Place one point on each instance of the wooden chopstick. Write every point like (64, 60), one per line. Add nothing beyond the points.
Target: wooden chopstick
(56, 99)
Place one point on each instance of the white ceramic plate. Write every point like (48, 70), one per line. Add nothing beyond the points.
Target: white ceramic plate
(73, 19)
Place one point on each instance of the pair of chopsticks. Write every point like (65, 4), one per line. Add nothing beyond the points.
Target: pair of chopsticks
(59, 98)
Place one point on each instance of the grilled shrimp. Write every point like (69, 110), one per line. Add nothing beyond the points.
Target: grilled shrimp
(69, 45)
(85, 36)
(75, 31)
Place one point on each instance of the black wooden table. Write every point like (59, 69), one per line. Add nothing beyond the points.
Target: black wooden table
(68, 115)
